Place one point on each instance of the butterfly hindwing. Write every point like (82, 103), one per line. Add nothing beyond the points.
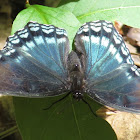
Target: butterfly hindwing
(33, 61)
(111, 76)
(119, 89)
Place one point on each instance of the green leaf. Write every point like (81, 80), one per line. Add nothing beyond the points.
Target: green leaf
(128, 11)
(68, 5)
(68, 119)
(46, 15)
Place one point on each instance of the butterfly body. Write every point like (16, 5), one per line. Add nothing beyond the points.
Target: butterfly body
(36, 62)
(77, 83)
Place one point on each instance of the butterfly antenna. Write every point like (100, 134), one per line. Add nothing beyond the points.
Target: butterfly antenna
(57, 101)
(89, 107)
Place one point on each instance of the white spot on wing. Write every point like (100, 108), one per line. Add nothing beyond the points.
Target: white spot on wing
(85, 29)
(15, 40)
(51, 40)
(119, 58)
(35, 28)
(96, 29)
(137, 73)
(61, 40)
(136, 70)
(33, 24)
(108, 30)
(13, 51)
(95, 24)
(8, 53)
(25, 35)
(45, 27)
(84, 24)
(9, 44)
(95, 40)
(38, 40)
(79, 31)
(22, 31)
(14, 37)
(133, 68)
(117, 41)
(124, 50)
(48, 31)
(85, 38)
(96, 21)
(112, 49)
(129, 60)
(65, 33)
(59, 31)
(104, 41)
(108, 22)
(29, 44)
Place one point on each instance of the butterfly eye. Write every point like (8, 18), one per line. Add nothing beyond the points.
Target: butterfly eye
(76, 67)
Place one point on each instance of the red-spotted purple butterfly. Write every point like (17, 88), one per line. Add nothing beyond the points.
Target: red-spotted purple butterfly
(36, 62)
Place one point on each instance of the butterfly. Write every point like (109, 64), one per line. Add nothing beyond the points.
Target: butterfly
(36, 62)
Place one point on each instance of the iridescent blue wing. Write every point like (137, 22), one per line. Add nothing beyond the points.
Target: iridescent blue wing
(111, 76)
(33, 62)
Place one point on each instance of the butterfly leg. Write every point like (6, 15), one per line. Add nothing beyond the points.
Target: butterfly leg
(57, 101)
(89, 107)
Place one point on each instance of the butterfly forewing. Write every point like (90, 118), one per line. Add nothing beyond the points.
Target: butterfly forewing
(103, 47)
(33, 61)
(111, 76)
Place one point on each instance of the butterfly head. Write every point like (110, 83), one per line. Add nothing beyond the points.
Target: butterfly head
(78, 95)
